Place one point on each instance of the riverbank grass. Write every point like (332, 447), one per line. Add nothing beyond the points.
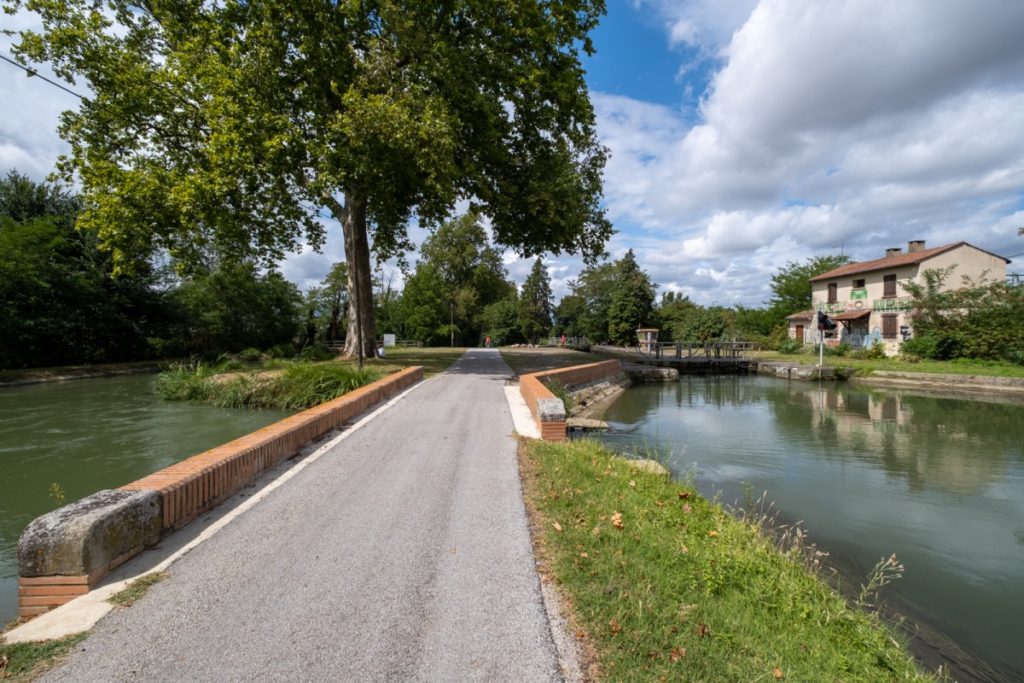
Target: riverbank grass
(665, 585)
(867, 366)
(294, 387)
(136, 589)
(21, 662)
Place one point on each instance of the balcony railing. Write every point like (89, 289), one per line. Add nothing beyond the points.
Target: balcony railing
(892, 305)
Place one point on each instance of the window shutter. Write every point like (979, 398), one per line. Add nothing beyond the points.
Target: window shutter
(889, 283)
(889, 326)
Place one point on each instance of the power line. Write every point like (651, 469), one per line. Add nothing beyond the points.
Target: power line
(32, 72)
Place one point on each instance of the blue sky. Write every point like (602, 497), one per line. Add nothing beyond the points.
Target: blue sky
(748, 133)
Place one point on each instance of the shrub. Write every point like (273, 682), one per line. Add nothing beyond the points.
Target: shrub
(874, 352)
(250, 355)
(316, 353)
(286, 350)
(839, 351)
(791, 346)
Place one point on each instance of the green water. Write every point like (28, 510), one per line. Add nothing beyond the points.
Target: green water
(93, 434)
(938, 480)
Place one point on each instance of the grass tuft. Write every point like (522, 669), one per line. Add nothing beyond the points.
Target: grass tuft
(136, 589)
(20, 662)
(667, 585)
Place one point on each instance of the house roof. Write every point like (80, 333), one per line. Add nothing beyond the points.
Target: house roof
(851, 315)
(802, 315)
(889, 262)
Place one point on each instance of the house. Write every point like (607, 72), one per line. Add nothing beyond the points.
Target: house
(868, 298)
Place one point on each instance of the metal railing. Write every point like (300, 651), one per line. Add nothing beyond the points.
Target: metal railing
(730, 350)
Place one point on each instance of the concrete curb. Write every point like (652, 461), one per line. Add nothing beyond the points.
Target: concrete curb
(66, 553)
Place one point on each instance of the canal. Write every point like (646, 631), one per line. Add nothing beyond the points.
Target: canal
(938, 480)
(92, 434)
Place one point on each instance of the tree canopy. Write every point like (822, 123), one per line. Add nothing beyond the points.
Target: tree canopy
(791, 287)
(230, 126)
(535, 303)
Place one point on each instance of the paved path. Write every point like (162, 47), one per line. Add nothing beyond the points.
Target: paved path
(404, 554)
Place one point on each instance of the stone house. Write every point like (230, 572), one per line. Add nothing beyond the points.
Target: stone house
(868, 299)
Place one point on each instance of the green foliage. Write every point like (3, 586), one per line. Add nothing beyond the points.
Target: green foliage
(791, 287)
(222, 128)
(250, 355)
(668, 586)
(285, 350)
(472, 274)
(535, 310)
(59, 302)
(683, 320)
(978, 321)
(57, 494)
(631, 304)
(136, 589)
(563, 394)
(316, 353)
(326, 306)
(791, 346)
(295, 387)
(874, 352)
(425, 309)
(501, 321)
(235, 307)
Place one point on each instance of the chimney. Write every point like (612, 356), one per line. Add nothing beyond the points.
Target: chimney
(893, 251)
(915, 245)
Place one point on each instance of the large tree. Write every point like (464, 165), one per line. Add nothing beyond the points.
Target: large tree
(632, 301)
(535, 303)
(229, 125)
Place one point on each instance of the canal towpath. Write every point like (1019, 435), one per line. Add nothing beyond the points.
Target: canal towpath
(402, 553)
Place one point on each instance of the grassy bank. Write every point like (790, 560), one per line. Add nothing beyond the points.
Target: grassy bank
(667, 586)
(863, 367)
(294, 387)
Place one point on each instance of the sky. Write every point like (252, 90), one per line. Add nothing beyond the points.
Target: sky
(745, 134)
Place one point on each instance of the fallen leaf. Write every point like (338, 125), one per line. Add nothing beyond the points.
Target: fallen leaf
(558, 527)
(584, 555)
(677, 653)
(614, 626)
(659, 503)
(712, 534)
(777, 672)
(632, 484)
(683, 495)
(453, 550)
(685, 549)
(686, 508)
(4, 661)
(703, 630)
(581, 634)
(617, 520)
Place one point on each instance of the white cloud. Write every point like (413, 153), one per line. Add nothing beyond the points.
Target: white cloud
(828, 126)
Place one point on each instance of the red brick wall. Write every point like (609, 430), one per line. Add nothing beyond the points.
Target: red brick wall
(533, 388)
(195, 485)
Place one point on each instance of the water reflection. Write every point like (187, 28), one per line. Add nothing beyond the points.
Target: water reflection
(89, 435)
(937, 479)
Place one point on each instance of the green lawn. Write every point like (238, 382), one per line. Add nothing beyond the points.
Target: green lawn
(665, 585)
(955, 367)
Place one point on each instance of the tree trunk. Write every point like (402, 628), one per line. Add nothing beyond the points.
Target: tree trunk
(360, 286)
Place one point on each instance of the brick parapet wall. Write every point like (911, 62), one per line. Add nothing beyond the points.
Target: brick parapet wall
(197, 484)
(533, 387)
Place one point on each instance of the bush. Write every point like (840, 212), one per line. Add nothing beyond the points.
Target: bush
(250, 355)
(286, 350)
(839, 351)
(874, 352)
(316, 353)
(790, 346)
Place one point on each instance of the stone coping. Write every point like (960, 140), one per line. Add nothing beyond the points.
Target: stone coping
(547, 409)
(78, 544)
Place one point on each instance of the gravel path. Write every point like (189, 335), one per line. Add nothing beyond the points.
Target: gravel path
(403, 554)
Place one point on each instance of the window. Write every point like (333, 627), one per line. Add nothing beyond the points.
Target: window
(833, 291)
(858, 284)
(889, 285)
(889, 326)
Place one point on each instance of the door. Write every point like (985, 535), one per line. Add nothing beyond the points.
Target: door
(799, 333)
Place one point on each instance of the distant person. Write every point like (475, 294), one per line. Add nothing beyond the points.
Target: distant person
(563, 341)
(487, 341)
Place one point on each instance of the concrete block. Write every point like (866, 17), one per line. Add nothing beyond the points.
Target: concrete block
(86, 537)
(550, 410)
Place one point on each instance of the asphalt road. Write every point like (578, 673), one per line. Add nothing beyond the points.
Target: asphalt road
(403, 554)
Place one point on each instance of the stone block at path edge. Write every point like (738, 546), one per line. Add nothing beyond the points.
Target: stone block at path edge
(86, 536)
